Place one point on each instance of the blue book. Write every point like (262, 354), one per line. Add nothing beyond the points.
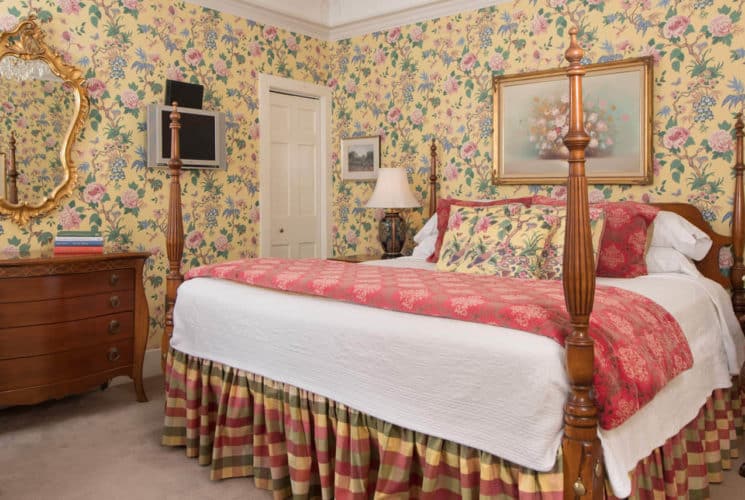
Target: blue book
(78, 243)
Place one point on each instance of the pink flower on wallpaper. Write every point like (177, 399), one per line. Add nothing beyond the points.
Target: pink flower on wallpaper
(221, 243)
(468, 150)
(254, 48)
(350, 87)
(194, 239)
(676, 26)
(417, 117)
(725, 258)
(675, 137)
(394, 35)
(720, 25)
(69, 218)
(131, 4)
(467, 62)
(351, 237)
(193, 56)
(332, 83)
(539, 25)
(291, 43)
(175, 73)
(416, 34)
(254, 131)
(559, 193)
(11, 251)
(50, 142)
(623, 46)
(8, 107)
(482, 225)
(379, 56)
(721, 141)
(557, 3)
(394, 115)
(270, 33)
(451, 85)
(596, 196)
(130, 199)
(93, 192)
(496, 62)
(8, 22)
(130, 99)
(220, 67)
(651, 50)
(451, 171)
(69, 6)
(254, 215)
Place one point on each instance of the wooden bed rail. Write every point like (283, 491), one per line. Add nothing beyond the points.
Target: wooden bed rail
(738, 219)
(583, 467)
(174, 233)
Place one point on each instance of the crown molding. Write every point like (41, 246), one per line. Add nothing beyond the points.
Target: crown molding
(408, 16)
(295, 24)
(265, 16)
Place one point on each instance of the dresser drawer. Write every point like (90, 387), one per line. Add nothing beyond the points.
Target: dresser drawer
(65, 285)
(40, 312)
(45, 339)
(40, 370)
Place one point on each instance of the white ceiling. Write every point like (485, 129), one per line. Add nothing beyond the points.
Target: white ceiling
(339, 19)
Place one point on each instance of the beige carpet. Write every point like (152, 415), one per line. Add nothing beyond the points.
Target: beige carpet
(104, 445)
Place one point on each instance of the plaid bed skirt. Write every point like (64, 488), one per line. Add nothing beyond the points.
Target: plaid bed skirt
(299, 444)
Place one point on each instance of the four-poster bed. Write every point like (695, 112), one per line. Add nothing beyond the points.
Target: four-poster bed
(581, 453)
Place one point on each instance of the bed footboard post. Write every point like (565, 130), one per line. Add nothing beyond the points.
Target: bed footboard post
(738, 218)
(174, 233)
(432, 178)
(583, 466)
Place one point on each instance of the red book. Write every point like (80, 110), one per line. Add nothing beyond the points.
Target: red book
(77, 250)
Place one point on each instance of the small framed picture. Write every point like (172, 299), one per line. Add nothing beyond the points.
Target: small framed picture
(360, 158)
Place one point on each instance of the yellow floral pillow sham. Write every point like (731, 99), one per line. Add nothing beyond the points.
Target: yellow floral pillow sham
(508, 240)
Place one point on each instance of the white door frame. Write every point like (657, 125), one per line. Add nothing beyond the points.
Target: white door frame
(268, 83)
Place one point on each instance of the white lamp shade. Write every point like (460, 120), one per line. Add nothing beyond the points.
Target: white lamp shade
(392, 190)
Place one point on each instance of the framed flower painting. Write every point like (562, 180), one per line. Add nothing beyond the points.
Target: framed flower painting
(531, 116)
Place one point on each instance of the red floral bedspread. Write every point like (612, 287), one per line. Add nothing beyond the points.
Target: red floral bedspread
(639, 346)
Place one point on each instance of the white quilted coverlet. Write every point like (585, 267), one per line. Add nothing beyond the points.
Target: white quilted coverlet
(495, 389)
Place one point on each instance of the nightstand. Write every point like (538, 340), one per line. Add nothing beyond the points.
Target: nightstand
(355, 258)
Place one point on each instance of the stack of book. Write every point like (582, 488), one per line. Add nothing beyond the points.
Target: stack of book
(72, 242)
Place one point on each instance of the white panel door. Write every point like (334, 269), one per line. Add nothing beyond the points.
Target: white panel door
(295, 142)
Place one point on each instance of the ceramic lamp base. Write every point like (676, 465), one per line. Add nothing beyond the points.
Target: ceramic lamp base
(392, 234)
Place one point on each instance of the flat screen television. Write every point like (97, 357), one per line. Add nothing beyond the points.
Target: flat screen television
(202, 137)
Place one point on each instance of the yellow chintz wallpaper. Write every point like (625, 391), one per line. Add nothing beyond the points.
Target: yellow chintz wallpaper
(407, 84)
(434, 79)
(127, 49)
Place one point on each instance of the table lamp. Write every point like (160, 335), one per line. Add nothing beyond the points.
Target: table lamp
(392, 192)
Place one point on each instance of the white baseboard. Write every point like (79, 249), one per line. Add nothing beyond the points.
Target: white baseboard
(150, 367)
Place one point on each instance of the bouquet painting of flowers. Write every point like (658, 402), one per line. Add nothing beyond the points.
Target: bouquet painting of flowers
(550, 123)
(531, 116)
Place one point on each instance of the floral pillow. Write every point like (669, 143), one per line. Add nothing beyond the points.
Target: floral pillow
(625, 239)
(443, 216)
(552, 257)
(505, 241)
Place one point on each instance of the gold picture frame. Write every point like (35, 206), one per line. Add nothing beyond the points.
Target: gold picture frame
(531, 114)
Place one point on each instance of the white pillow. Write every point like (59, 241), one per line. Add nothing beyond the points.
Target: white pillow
(429, 229)
(426, 247)
(669, 260)
(670, 230)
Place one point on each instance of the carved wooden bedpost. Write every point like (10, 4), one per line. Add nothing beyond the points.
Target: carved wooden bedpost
(433, 178)
(174, 233)
(583, 469)
(12, 172)
(738, 218)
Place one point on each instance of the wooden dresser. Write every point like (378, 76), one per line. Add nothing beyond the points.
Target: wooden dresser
(70, 323)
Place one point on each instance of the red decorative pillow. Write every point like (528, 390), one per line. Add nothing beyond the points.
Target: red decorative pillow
(624, 240)
(443, 215)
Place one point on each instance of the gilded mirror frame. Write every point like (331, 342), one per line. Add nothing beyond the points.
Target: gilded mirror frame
(26, 41)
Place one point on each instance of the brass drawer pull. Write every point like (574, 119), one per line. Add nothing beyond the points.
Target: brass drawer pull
(114, 300)
(114, 327)
(113, 279)
(113, 354)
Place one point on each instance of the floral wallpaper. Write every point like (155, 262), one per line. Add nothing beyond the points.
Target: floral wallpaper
(127, 49)
(433, 79)
(39, 113)
(408, 84)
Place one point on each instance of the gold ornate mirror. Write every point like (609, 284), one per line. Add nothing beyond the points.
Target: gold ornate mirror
(43, 105)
